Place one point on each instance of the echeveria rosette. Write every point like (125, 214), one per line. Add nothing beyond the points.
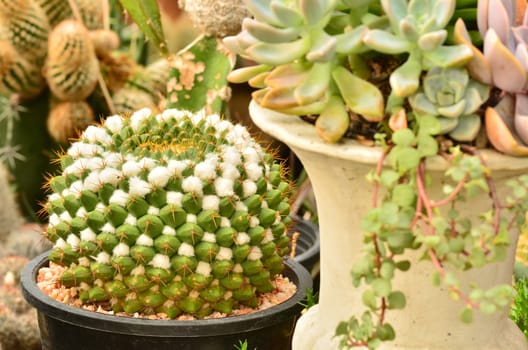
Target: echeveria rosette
(300, 61)
(171, 213)
(417, 28)
(454, 98)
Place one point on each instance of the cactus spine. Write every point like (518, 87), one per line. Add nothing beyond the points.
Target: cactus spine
(172, 213)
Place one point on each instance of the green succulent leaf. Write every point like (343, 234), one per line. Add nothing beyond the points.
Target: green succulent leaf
(360, 96)
(287, 16)
(448, 56)
(386, 42)
(405, 80)
(268, 33)
(280, 53)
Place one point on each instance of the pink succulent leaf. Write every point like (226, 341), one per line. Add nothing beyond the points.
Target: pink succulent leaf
(521, 116)
(507, 72)
(478, 67)
(467, 128)
(521, 54)
(499, 20)
(499, 128)
(482, 17)
(432, 40)
(520, 34)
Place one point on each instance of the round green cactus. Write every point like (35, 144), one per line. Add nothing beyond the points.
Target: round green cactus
(172, 213)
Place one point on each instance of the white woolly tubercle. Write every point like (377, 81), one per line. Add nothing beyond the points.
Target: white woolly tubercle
(160, 261)
(121, 250)
(145, 240)
(186, 249)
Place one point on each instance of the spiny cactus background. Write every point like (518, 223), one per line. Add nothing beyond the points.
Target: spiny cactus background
(62, 66)
(18, 320)
(171, 213)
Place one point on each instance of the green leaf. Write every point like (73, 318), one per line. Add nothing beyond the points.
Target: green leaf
(404, 195)
(404, 159)
(466, 315)
(146, 15)
(427, 145)
(429, 124)
(381, 287)
(342, 328)
(369, 299)
(397, 300)
(385, 332)
(436, 278)
(199, 78)
(404, 137)
(389, 177)
(403, 265)
(487, 307)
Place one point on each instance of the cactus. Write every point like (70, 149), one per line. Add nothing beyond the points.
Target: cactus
(72, 67)
(42, 49)
(18, 320)
(172, 213)
(10, 217)
(67, 119)
(216, 17)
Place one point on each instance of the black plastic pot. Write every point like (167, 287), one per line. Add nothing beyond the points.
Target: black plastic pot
(64, 327)
(308, 247)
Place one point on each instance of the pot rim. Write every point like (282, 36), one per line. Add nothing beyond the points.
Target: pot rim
(299, 134)
(188, 328)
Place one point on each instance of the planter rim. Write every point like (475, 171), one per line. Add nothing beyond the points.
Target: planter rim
(299, 134)
(187, 328)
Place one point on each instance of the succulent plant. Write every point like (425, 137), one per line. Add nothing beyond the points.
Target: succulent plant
(175, 212)
(503, 63)
(452, 96)
(300, 67)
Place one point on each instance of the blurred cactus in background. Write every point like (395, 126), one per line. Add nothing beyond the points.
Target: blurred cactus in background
(63, 66)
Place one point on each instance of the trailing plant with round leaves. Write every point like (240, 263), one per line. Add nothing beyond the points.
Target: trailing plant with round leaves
(405, 73)
(174, 213)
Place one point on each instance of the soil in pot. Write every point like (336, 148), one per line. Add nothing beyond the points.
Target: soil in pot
(64, 327)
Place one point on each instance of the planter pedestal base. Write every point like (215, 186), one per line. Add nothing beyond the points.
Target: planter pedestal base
(430, 320)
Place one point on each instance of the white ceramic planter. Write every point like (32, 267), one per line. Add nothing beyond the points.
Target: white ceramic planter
(431, 318)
